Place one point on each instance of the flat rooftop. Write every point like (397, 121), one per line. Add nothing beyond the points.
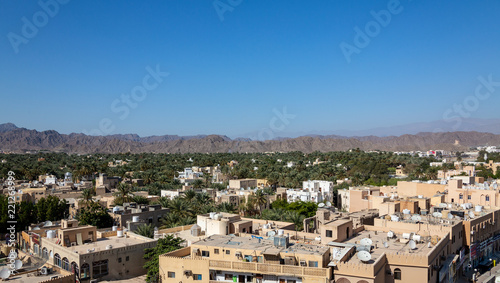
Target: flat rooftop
(264, 245)
(101, 244)
(395, 245)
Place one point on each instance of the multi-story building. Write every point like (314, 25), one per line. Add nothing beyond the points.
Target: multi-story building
(247, 259)
(90, 254)
(131, 215)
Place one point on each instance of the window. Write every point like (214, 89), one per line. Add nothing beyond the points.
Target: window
(290, 281)
(45, 253)
(228, 252)
(216, 251)
(197, 277)
(171, 274)
(85, 271)
(249, 278)
(487, 198)
(461, 196)
(205, 253)
(228, 277)
(57, 260)
(313, 263)
(119, 259)
(469, 197)
(99, 268)
(65, 264)
(328, 233)
(397, 274)
(127, 258)
(248, 258)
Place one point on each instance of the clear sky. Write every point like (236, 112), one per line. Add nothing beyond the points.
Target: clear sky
(230, 63)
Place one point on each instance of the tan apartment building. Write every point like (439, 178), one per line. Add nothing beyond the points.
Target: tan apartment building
(246, 259)
(91, 254)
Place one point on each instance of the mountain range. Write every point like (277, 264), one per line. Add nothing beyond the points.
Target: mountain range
(15, 139)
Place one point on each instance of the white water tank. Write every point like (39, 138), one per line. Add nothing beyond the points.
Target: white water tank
(394, 218)
(406, 236)
(281, 232)
(478, 208)
(406, 211)
(212, 215)
(114, 228)
(416, 238)
(51, 234)
(119, 233)
(109, 247)
(135, 219)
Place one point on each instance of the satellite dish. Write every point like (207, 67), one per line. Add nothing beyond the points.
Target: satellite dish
(36, 228)
(366, 242)
(450, 216)
(4, 273)
(360, 248)
(435, 214)
(439, 215)
(390, 234)
(47, 223)
(364, 256)
(328, 203)
(386, 245)
(471, 214)
(18, 264)
(321, 205)
(412, 244)
(416, 217)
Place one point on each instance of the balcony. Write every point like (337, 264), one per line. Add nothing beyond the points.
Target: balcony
(275, 269)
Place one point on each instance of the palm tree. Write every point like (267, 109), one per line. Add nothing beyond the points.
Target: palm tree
(198, 183)
(87, 196)
(181, 207)
(123, 193)
(163, 201)
(202, 198)
(146, 230)
(189, 195)
(260, 199)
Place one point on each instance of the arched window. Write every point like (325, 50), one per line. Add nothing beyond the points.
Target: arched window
(65, 264)
(57, 260)
(45, 253)
(487, 198)
(343, 280)
(397, 274)
(85, 271)
(36, 249)
(461, 196)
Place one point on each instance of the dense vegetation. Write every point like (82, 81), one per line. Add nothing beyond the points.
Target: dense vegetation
(152, 256)
(50, 208)
(158, 170)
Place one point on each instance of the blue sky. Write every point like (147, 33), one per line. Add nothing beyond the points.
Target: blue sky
(227, 74)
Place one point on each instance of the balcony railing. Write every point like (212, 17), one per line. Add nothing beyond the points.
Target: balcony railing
(269, 268)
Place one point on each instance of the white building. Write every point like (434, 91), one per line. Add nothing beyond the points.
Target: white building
(314, 191)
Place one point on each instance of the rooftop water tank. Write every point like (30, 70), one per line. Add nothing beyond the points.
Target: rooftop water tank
(119, 233)
(51, 234)
(478, 208)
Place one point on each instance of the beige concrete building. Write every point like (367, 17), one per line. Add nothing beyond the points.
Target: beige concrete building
(88, 253)
(131, 215)
(243, 183)
(245, 259)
